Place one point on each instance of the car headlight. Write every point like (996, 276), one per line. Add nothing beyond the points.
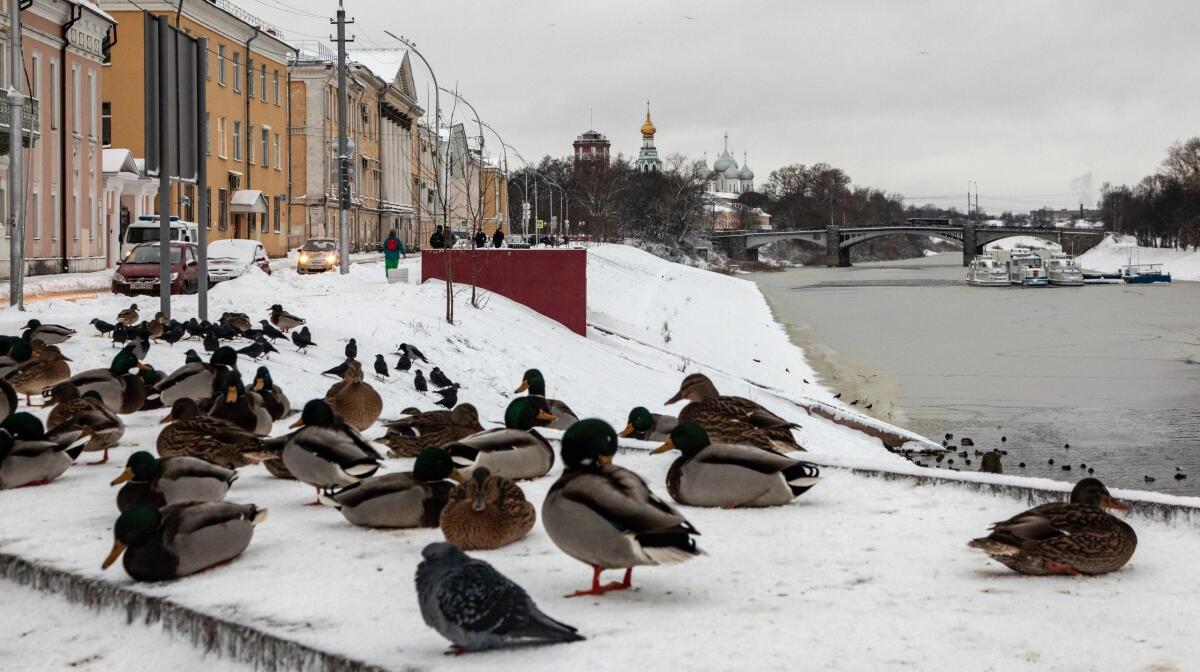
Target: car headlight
(303, 258)
(330, 258)
(174, 277)
(117, 277)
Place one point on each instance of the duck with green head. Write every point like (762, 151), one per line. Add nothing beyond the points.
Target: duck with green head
(606, 516)
(121, 391)
(283, 319)
(197, 381)
(157, 482)
(646, 426)
(399, 500)
(181, 539)
(535, 384)
(191, 433)
(50, 334)
(19, 352)
(245, 409)
(515, 451)
(28, 456)
(274, 400)
(730, 476)
(88, 415)
(325, 452)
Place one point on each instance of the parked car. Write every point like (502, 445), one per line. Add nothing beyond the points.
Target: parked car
(317, 255)
(137, 273)
(229, 259)
(146, 228)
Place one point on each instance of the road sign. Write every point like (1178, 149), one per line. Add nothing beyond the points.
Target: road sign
(541, 224)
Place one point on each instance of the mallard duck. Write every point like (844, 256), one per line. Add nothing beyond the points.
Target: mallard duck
(354, 400)
(155, 482)
(728, 475)
(328, 452)
(486, 512)
(129, 316)
(88, 415)
(564, 417)
(646, 426)
(46, 367)
(18, 353)
(181, 539)
(195, 381)
(28, 456)
(121, 391)
(430, 429)
(244, 409)
(605, 516)
(50, 334)
(283, 319)
(408, 499)
(515, 451)
(734, 420)
(239, 321)
(274, 400)
(1079, 537)
(189, 433)
(8, 399)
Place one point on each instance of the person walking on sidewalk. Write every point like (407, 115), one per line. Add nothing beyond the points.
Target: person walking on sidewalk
(480, 238)
(498, 238)
(436, 240)
(393, 250)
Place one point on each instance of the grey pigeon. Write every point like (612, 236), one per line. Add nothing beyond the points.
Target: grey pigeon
(477, 608)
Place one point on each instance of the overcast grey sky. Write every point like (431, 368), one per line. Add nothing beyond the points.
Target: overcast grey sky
(1026, 98)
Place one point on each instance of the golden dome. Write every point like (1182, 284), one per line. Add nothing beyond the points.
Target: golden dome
(648, 126)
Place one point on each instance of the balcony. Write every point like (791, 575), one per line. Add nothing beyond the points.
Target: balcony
(30, 113)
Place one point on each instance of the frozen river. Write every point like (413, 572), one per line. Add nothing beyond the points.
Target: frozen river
(1112, 370)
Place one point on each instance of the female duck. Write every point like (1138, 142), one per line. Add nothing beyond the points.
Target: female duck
(728, 475)
(486, 512)
(181, 539)
(430, 429)
(88, 415)
(535, 383)
(1079, 537)
(189, 433)
(154, 482)
(400, 500)
(605, 516)
(121, 391)
(355, 401)
(516, 451)
(46, 367)
(733, 419)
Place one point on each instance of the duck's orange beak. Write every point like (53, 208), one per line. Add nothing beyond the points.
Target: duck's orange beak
(1116, 504)
(125, 476)
(167, 420)
(628, 431)
(524, 386)
(297, 423)
(117, 549)
(231, 395)
(678, 397)
(605, 459)
(663, 448)
(546, 417)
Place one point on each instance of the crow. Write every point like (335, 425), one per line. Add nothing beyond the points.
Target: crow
(266, 345)
(173, 334)
(302, 339)
(253, 351)
(412, 352)
(419, 382)
(352, 349)
(449, 397)
(404, 363)
(120, 334)
(195, 329)
(838, 395)
(854, 403)
(338, 371)
(438, 378)
(381, 367)
(270, 331)
(102, 326)
(210, 340)
(192, 357)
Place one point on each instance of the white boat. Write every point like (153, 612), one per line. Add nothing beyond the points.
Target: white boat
(1062, 269)
(985, 271)
(1025, 268)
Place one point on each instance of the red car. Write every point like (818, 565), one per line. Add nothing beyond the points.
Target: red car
(137, 273)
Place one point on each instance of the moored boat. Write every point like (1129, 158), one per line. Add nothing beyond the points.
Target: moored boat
(1144, 274)
(1063, 270)
(985, 271)
(1025, 268)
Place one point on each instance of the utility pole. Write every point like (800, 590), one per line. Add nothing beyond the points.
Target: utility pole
(343, 150)
(16, 186)
(165, 92)
(202, 176)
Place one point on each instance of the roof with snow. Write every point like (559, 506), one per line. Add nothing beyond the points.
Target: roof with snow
(119, 161)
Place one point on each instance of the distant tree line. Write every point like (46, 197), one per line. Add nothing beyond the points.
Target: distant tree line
(1162, 209)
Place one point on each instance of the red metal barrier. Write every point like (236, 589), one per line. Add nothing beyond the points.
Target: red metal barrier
(552, 282)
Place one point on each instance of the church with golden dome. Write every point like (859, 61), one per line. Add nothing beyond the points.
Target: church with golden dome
(648, 161)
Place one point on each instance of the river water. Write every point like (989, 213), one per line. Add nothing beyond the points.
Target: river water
(1111, 370)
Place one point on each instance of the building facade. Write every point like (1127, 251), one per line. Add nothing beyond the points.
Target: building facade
(247, 117)
(63, 48)
(591, 148)
(648, 160)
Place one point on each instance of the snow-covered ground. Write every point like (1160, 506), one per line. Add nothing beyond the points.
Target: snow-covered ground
(41, 285)
(1116, 251)
(1028, 242)
(860, 573)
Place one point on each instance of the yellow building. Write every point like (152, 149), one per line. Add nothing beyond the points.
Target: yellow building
(247, 91)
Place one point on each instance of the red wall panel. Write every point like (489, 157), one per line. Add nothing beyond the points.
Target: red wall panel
(551, 282)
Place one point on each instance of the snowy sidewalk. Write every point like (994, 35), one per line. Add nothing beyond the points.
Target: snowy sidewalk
(62, 283)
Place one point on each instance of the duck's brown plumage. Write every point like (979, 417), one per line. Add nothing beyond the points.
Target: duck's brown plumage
(734, 420)
(354, 400)
(45, 368)
(486, 512)
(218, 441)
(87, 415)
(430, 429)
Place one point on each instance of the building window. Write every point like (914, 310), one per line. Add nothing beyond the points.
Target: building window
(208, 208)
(75, 101)
(250, 77)
(266, 141)
(262, 83)
(237, 140)
(275, 86)
(221, 65)
(93, 106)
(250, 144)
(222, 149)
(237, 72)
(36, 77)
(278, 218)
(54, 108)
(275, 148)
(223, 213)
(106, 123)
(266, 219)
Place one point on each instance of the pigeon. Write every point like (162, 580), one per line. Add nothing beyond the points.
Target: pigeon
(352, 349)
(381, 367)
(102, 326)
(412, 352)
(419, 382)
(438, 378)
(270, 331)
(477, 608)
(449, 397)
(302, 339)
(404, 363)
(339, 370)
(192, 357)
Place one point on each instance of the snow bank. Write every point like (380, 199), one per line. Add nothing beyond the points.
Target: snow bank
(1028, 242)
(1116, 251)
(62, 283)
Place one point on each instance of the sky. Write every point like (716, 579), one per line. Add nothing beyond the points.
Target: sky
(1036, 102)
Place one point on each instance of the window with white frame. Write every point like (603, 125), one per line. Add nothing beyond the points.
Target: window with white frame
(250, 144)
(208, 134)
(56, 104)
(35, 214)
(262, 83)
(237, 72)
(266, 149)
(93, 106)
(75, 112)
(250, 77)
(275, 86)
(92, 213)
(56, 208)
(222, 147)
(221, 65)
(276, 152)
(237, 140)
(76, 215)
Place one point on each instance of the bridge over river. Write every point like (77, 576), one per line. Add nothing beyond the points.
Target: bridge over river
(837, 240)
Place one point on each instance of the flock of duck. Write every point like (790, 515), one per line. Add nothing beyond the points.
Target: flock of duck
(174, 521)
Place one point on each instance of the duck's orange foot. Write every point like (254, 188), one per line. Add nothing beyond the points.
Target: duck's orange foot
(1055, 568)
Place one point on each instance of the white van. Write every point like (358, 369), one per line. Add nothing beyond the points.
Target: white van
(145, 229)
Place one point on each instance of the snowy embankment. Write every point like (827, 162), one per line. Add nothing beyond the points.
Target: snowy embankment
(1027, 242)
(61, 283)
(881, 562)
(1116, 251)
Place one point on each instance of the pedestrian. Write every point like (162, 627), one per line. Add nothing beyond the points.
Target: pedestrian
(393, 249)
(437, 240)
(480, 238)
(565, 240)
(498, 238)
